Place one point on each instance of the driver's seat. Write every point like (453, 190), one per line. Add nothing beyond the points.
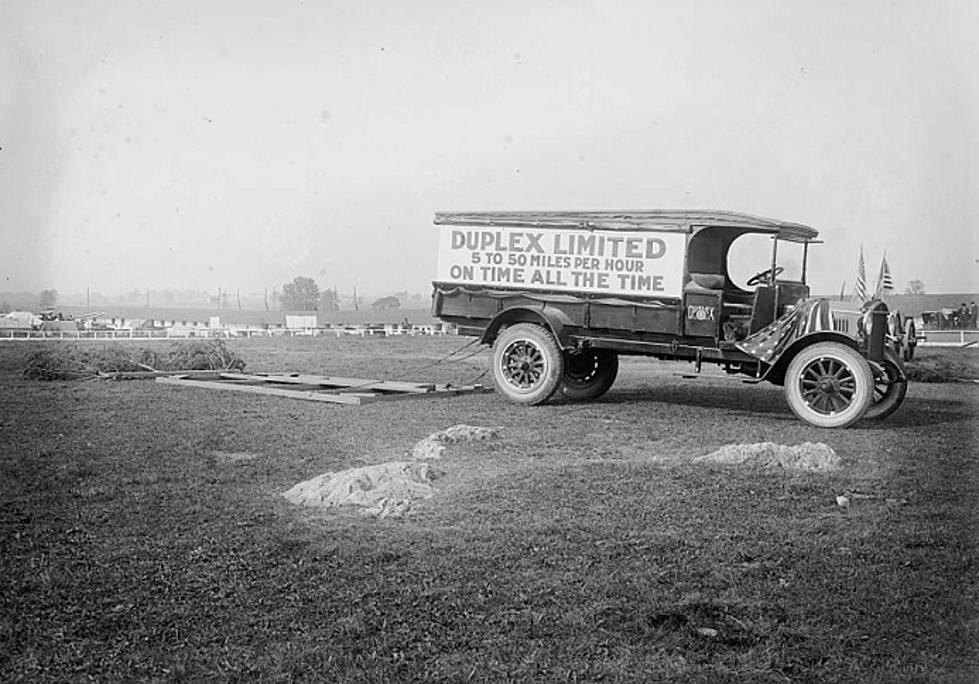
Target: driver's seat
(705, 282)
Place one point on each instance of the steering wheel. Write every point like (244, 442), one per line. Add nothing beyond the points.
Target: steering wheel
(767, 274)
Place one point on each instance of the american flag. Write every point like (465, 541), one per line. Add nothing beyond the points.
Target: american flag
(884, 282)
(808, 316)
(860, 290)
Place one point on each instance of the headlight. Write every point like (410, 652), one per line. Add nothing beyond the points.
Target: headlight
(865, 323)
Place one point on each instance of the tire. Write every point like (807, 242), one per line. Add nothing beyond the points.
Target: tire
(910, 340)
(588, 374)
(829, 385)
(888, 392)
(527, 364)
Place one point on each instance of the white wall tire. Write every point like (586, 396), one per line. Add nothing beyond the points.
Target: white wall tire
(527, 363)
(829, 385)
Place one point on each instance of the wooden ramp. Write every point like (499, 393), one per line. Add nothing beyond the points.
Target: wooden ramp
(319, 387)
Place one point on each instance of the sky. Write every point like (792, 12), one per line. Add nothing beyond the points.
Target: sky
(238, 144)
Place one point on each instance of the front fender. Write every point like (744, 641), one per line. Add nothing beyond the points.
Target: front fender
(776, 372)
(554, 320)
(808, 322)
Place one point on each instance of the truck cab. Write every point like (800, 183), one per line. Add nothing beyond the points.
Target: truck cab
(747, 307)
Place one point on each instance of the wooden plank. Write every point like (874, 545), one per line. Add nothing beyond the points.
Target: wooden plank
(439, 393)
(329, 397)
(139, 375)
(330, 381)
(236, 382)
(380, 385)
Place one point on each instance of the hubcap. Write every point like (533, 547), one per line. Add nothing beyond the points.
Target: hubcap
(581, 368)
(827, 385)
(523, 364)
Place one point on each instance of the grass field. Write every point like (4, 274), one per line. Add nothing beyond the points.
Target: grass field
(584, 544)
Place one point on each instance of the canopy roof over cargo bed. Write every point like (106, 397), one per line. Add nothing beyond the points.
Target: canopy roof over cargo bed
(659, 219)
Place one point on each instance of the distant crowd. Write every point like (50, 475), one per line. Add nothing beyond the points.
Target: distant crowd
(965, 316)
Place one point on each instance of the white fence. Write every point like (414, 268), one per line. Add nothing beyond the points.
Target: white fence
(225, 333)
(948, 338)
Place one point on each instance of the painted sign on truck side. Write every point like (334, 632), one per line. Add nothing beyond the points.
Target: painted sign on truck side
(612, 262)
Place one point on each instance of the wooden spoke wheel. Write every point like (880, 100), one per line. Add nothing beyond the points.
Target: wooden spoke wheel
(829, 384)
(527, 363)
(889, 388)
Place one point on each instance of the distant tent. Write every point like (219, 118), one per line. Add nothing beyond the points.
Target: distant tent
(21, 319)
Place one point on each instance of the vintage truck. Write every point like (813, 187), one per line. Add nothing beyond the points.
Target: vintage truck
(560, 295)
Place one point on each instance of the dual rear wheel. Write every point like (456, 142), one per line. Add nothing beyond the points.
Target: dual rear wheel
(529, 367)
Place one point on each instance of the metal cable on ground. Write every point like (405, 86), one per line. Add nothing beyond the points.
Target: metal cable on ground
(479, 377)
(448, 356)
(438, 361)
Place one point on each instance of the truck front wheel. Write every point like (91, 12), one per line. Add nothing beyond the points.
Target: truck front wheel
(588, 373)
(829, 385)
(889, 389)
(527, 363)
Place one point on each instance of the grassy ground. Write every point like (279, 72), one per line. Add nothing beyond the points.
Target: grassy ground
(582, 545)
(944, 364)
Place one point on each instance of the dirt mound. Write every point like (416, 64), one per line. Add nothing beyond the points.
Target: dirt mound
(809, 457)
(433, 446)
(384, 490)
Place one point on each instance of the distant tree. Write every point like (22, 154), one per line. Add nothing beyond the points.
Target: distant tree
(48, 298)
(4, 307)
(915, 287)
(329, 301)
(386, 303)
(302, 294)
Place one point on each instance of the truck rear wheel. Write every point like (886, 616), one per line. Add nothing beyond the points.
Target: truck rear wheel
(527, 363)
(889, 391)
(829, 384)
(588, 373)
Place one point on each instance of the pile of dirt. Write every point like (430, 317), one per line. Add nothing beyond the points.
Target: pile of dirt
(387, 489)
(65, 361)
(433, 446)
(807, 457)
